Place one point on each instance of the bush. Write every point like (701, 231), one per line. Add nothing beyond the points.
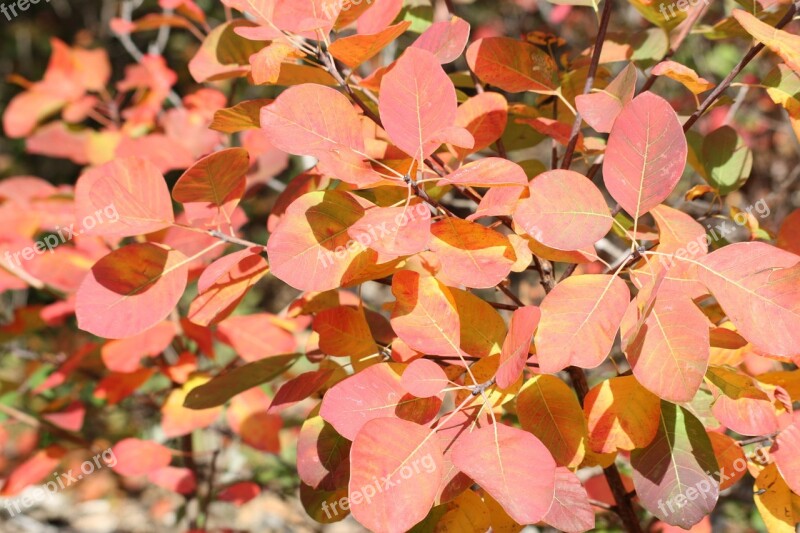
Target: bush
(471, 222)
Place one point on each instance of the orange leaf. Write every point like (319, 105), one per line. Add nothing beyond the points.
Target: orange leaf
(789, 234)
(622, 415)
(257, 336)
(356, 49)
(123, 355)
(485, 116)
(471, 254)
(248, 416)
(178, 420)
(669, 351)
(217, 180)
(781, 42)
(682, 74)
(549, 409)
(514, 66)
(758, 286)
(425, 314)
(580, 319)
(225, 283)
(344, 332)
(309, 248)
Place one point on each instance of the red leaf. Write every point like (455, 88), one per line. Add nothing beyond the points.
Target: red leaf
(134, 189)
(517, 345)
(424, 378)
(571, 510)
(565, 211)
(35, 469)
(137, 457)
(601, 109)
(298, 389)
(645, 155)
(175, 479)
(418, 104)
(411, 474)
(446, 40)
(375, 392)
(239, 493)
(116, 301)
(70, 418)
(256, 337)
(513, 466)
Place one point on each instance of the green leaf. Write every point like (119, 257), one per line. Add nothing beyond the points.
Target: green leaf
(728, 160)
(676, 476)
(224, 387)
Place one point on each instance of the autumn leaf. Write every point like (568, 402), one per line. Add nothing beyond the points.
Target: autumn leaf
(115, 302)
(513, 466)
(670, 474)
(418, 105)
(646, 154)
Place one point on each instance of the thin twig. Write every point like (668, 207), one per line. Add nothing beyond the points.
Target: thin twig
(598, 48)
(749, 56)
